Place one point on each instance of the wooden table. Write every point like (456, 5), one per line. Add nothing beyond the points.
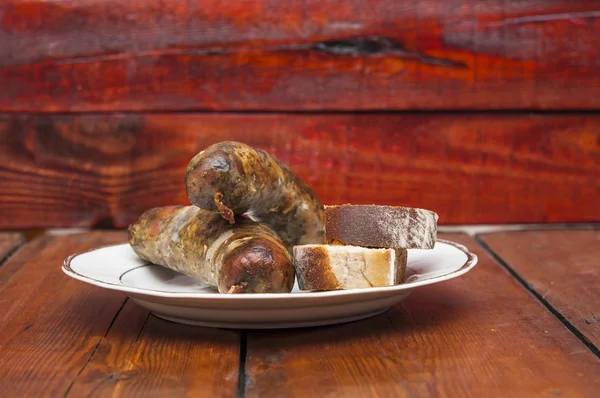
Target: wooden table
(524, 323)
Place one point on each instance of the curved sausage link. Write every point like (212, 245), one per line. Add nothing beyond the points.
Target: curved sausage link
(245, 257)
(234, 179)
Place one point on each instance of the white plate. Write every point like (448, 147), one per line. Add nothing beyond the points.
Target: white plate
(179, 298)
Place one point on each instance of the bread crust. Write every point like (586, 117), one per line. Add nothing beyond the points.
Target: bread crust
(401, 263)
(313, 269)
(381, 226)
(335, 267)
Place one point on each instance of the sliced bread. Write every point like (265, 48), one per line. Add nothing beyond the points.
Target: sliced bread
(381, 226)
(335, 267)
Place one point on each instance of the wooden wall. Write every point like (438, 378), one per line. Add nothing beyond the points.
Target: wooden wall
(485, 111)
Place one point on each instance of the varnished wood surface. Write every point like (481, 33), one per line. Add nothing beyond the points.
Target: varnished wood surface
(101, 55)
(50, 324)
(481, 334)
(9, 241)
(562, 267)
(146, 356)
(477, 335)
(83, 170)
(60, 336)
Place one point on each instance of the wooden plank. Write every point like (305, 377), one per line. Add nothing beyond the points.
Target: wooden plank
(49, 323)
(65, 170)
(9, 241)
(56, 335)
(110, 55)
(562, 267)
(146, 356)
(10, 268)
(478, 335)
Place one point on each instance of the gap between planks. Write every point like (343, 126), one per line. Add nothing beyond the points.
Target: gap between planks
(96, 347)
(19, 241)
(468, 229)
(242, 381)
(595, 350)
(471, 230)
(314, 112)
(474, 229)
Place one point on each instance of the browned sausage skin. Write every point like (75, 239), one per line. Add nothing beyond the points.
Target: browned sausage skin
(234, 179)
(245, 257)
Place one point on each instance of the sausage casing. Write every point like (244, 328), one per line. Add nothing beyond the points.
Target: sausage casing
(245, 257)
(233, 178)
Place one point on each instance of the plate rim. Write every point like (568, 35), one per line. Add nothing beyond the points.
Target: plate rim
(469, 264)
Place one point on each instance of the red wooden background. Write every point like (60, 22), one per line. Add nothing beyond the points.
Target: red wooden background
(107, 55)
(484, 111)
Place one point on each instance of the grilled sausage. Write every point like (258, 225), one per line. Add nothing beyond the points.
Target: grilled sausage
(245, 257)
(234, 179)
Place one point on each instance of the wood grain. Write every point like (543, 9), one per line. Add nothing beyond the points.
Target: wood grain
(145, 356)
(562, 267)
(109, 55)
(84, 170)
(9, 241)
(478, 335)
(9, 268)
(55, 337)
(50, 324)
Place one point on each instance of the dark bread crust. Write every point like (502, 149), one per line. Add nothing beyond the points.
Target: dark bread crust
(313, 269)
(316, 267)
(381, 226)
(401, 262)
